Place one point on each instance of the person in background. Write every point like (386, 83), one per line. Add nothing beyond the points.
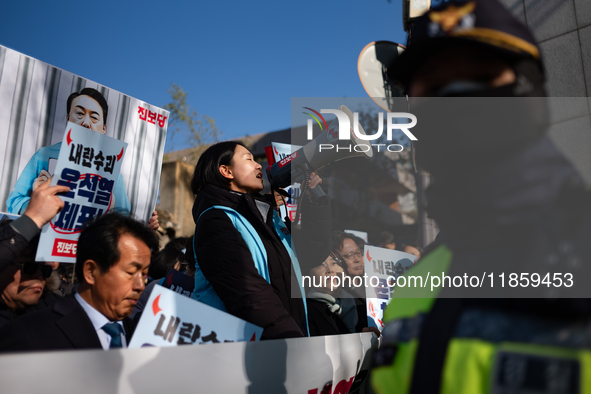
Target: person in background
(22, 283)
(169, 258)
(22, 280)
(179, 243)
(328, 313)
(324, 306)
(350, 248)
(387, 240)
(410, 249)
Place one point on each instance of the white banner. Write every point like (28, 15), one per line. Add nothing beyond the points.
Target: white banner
(89, 163)
(333, 364)
(385, 265)
(171, 319)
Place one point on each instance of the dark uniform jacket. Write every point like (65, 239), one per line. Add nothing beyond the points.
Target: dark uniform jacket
(323, 321)
(61, 327)
(530, 213)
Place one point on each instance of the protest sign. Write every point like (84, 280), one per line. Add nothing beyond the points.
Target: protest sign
(88, 163)
(386, 266)
(280, 152)
(359, 234)
(171, 319)
(36, 102)
(179, 283)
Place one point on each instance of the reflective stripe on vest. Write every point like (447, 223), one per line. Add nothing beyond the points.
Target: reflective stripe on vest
(491, 351)
(476, 366)
(403, 317)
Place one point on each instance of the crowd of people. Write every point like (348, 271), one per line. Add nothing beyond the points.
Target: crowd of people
(509, 210)
(241, 260)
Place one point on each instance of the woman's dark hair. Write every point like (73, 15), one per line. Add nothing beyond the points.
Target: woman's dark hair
(164, 261)
(386, 238)
(207, 170)
(178, 242)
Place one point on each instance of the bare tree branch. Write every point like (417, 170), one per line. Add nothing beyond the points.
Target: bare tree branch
(201, 128)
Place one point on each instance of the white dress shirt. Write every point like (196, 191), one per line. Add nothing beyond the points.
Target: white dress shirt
(98, 321)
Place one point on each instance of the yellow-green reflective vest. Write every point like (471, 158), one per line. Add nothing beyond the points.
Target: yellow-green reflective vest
(479, 361)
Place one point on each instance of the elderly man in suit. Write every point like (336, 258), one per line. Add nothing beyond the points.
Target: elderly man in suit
(112, 262)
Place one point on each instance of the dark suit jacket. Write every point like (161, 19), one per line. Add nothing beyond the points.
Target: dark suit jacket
(61, 327)
(323, 322)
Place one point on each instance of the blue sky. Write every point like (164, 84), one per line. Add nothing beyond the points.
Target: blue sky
(241, 62)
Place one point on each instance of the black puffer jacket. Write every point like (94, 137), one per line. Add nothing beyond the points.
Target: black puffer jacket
(227, 263)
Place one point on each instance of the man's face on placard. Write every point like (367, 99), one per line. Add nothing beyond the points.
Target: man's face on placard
(87, 112)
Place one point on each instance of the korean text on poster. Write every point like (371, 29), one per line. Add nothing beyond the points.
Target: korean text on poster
(386, 265)
(178, 282)
(280, 152)
(89, 163)
(171, 319)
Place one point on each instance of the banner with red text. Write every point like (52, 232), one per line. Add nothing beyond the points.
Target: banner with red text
(280, 152)
(336, 364)
(172, 319)
(89, 164)
(383, 267)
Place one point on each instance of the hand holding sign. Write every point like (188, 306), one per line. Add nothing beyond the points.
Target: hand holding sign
(43, 177)
(44, 204)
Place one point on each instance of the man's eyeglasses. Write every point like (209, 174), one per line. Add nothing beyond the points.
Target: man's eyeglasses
(351, 255)
(30, 268)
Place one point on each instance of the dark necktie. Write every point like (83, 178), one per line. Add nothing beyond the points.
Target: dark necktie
(114, 330)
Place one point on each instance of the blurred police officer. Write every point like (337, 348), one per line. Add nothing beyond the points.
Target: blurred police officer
(506, 201)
